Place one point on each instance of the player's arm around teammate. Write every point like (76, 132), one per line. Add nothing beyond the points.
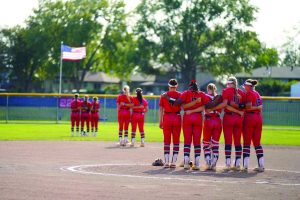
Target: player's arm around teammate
(253, 125)
(85, 115)
(170, 122)
(232, 121)
(139, 109)
(212, 131)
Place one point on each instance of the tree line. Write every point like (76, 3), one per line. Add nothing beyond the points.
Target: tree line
(158, 37)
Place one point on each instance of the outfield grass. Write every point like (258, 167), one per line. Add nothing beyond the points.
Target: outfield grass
(109, 132)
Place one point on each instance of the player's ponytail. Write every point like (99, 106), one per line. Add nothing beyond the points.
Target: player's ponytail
(193, 86)
(139, 95)
(126, 90)
(212, 87)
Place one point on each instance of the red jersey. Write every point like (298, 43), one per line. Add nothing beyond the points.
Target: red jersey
(122, 98)
(95, 106)
(136, 102)
(189, 96)
(254, 98)
(168, 107)
(233, 95)
(85, 106)
(75, 105)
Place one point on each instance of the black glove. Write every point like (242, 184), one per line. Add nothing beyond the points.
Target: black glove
(242, 106)
(172, 101)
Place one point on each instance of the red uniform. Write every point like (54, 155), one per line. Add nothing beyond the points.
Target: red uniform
(171, 124)
(138, 117)
(192, 123)
(95, 116)
(253, 126)
(233, 123)
(211, 134)
(123, 114)
(75, 115)
(85, 115)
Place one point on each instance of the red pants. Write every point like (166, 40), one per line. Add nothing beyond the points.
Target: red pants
(75, 119)
(171, 129)
(232, 128)
(137, 119)
(94, 120)
(124, 119)
(252, 129)
(211, 134)
(192, 129)
(252, 132)
(85, 117)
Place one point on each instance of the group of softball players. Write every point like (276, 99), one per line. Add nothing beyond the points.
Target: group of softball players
(85, 113)
(242, 117)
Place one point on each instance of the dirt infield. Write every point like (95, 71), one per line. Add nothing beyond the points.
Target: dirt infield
(100, 170)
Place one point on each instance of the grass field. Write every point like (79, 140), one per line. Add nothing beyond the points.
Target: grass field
(272, 135)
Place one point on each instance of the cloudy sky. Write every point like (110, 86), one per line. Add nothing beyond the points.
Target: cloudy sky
(276, 19)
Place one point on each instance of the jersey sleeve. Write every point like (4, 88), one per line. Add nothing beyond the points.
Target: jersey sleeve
(205, 99)
(160, 103)
(145, 102)
(183, 96)
(119, 99)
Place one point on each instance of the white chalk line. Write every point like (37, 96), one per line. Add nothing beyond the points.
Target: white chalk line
(81, 170)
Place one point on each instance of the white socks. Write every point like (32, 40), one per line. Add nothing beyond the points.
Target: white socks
(246, 162)
(228, 162)
(120, 140)
(237, 162)
(132, 140)
(143, 140)
(166, 158)
(125, 140)
(208, 160)
(186, 160)
(174, 159)
(261, 162)
(197, 161)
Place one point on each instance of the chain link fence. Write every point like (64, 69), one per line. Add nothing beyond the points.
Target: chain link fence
(54, 108)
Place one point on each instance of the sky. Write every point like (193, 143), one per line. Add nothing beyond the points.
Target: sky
(275, 21)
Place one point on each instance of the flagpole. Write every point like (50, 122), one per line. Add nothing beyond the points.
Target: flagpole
(60, 71)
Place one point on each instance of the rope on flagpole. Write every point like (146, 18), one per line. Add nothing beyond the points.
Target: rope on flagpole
(60, 71)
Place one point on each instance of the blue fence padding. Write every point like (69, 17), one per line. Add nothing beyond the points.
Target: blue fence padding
(32, 101)
(52, 101)
(3, 101)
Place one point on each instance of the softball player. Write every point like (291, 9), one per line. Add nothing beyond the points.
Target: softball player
(212, 131)
(170, 122)
(95, 116)
(85, 108)
(253, 125)
(193, 102)
(140, 107)
(124, 102)
(75, 114)
(233, 102)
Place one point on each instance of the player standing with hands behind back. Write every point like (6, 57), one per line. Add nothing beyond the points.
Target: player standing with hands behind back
(140, 107)
(253, 125)
(170, 122)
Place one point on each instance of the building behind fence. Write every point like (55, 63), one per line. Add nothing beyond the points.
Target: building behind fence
(52, 108)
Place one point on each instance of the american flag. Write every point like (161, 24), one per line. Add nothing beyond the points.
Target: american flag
(72, 53)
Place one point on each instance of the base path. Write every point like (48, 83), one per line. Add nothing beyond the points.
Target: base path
(102, 170)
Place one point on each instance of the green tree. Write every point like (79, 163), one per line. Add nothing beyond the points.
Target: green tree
(212, 35)
(93, 23)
